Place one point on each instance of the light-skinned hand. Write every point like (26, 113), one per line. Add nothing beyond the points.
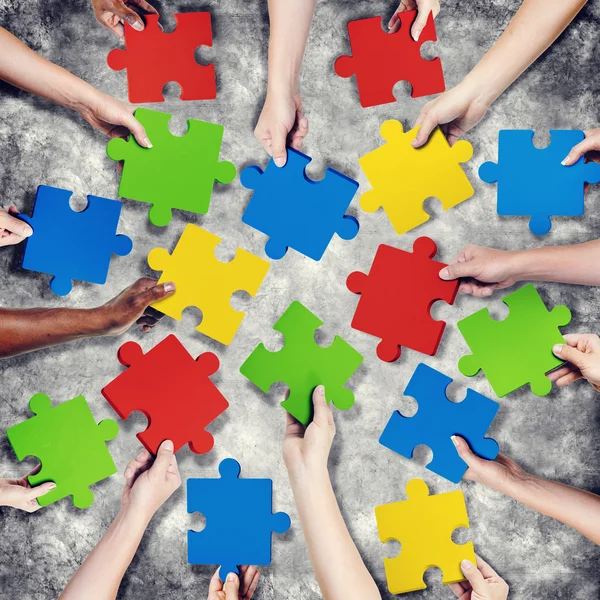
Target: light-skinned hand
(423, 8)
(281, 123)
(233, 588)
(307, 448)
(482, 270)
(483, 583)
(149, 481)
(19, 494)
(582, 353)
(589, 148)
(12, 230)
(114, 13)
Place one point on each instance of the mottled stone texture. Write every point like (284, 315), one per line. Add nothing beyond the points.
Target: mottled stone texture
(556, 436)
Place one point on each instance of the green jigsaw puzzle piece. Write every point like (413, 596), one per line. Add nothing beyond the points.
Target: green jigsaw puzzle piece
(69, 445)
(303, 365)
(178, 172)
(517, 350)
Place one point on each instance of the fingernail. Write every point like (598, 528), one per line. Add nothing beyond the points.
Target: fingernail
(280, 161)
(52, 486)
(564, 162)
(466, 564)
(320, 390)
(147, 143)
(444, 273)
(169, 287)
(454, 440)
(168, 445)
(138, 26)
(558, 349)
(231, 577)
(27, 231)
(416, 36)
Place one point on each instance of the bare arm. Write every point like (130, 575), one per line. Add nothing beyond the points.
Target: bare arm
(339, 568)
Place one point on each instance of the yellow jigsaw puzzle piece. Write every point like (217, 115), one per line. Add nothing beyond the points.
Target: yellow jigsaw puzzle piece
(423, 524)
(205, 282)
(403, 177)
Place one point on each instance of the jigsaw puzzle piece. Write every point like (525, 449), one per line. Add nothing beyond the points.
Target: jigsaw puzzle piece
(84, 254)
(399, 317)
(70, 446)
(423, 524)
(403, 177)
(194, 400)
(380, 60)
(239, 520)
(533, 182)
(517, 350)
(178, 172)
(205, 282)
(303, 365)
(296, 212)
(154, 58)
(437, 419)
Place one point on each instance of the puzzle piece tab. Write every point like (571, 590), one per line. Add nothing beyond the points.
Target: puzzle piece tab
(205, 282)
(396, 297)
(303, 365)
(403, 177)
(168, 371)
(70, 446)
(532, 181)
(153, 58)
(423, 524)
(437, 419)
(239, 520)
(381, 59)
(517, 350)
(84, 252)
(296, 212)
(178, 172)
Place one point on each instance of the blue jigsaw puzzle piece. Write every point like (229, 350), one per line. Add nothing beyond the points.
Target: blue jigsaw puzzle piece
(239, 520)
(296, 212)
(438, 418)
(73, 245)
(533, 182)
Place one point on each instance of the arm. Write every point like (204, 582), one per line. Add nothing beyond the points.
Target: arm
(573, 507)
(281, 117)
(24, 330)
(534, 28)
(147, 487)
(339, 569)
(22, 67)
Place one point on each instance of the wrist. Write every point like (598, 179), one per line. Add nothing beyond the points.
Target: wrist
(481, 88)
(522, 268)
(303, 474)
(80, 96)
(134, 517)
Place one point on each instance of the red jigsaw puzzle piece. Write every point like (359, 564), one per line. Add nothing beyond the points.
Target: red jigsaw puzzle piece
(153, 58)
(380, 60)
(172, 389)
(396, 297)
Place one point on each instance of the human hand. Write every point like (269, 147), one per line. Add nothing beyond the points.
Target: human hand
(18, 493)
(483, 583)
(482, 270)
(589, 148)
(12, 230)
(423, 8)
(149, 483)
(114, 13)
(281, 123)
(131, 306)
(455, 111)
(582, 353)
(307, 448)
(233, 589)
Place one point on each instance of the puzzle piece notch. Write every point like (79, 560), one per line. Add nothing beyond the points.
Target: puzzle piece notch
(85, 253)
(437, 419)
(208, 286)
(382, 312)
(423, 525)
(195, 401)
(302, 364)
(178, 172)
(170, 56)
(380, 59)
(295, 211)
(239, 520)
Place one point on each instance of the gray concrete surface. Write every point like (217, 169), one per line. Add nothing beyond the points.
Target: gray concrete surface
(556, 436)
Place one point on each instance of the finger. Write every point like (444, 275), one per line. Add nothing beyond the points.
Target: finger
(128, 15)
(252, 585)
(117, 29)
(14, 225)
(278, 146)
(474, 577)
(145, 7)
(394, 23)
(215, 584)
(428, 124)
(570, 354)
(173, 466)
(147, 321)
(485, 568)
(457, 589)
(573, 339)
(458, 270)
(558, 373)
(300, 134)
(164, 458)
(419, 24)
(136, 128)
(40, 490)
(570, 378)
(483, 291)
(231, 587)
(580, 149)
(320, 406)
(10, 239)
(465, 452)
(155, 293)
(34, 471)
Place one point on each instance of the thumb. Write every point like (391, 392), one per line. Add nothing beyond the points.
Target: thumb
(320, 406)
(419, 24)
(137, 129)
(578, 151)
(428, 123)
(232, 587)
(155, 293)
(163, 458)
(457, 270)
(570, 354)
(464, 451)
(474, 577)
(42, 489)
(14, 225)
(278, 146)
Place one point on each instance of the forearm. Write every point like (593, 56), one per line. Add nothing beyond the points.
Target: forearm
(532, 30)
(34, 328)
(339, 569)
(100, 575)
(290, 24)
(22, 67)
